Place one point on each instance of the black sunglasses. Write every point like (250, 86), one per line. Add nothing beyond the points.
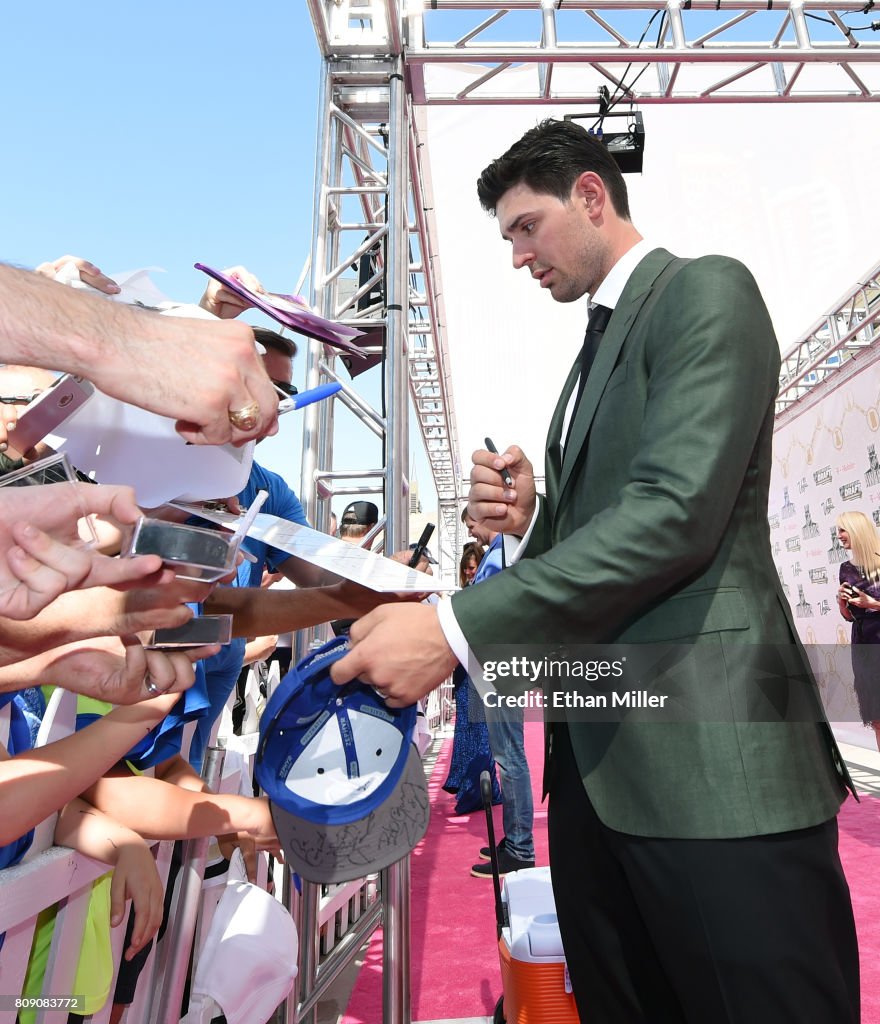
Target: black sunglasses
(286, 388)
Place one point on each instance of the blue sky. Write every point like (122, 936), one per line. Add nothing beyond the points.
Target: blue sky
(162, 135)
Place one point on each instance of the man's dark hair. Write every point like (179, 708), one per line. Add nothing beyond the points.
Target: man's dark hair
(548, 159)
(274, 340)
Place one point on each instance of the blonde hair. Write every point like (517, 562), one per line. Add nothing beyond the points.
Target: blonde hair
(864, 542)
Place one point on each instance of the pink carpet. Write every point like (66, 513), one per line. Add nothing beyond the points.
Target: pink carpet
(860, 854)
(455, 972)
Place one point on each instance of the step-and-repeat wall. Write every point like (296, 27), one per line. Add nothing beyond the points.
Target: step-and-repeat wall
(826, 461)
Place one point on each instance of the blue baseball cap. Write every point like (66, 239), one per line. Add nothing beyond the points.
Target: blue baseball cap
(343, 776)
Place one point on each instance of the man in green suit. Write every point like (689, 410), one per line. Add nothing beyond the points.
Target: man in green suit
(694, 858)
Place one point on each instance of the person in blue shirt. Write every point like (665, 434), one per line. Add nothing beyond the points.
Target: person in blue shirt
(507, 741)
(222, 671)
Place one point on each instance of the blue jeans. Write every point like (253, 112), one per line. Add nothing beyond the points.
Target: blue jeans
(508, 748)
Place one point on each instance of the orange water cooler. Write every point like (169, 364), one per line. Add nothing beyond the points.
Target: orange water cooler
(533, 971)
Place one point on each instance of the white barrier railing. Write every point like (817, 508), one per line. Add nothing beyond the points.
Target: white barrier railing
(338, 920)
(61, 876)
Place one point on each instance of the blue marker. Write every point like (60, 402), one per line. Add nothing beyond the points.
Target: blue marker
(317, 394)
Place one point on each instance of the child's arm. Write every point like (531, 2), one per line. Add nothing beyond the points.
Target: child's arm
(159, 810)
(85, 829)
(181, 773)
(38, 782)
(260, 648)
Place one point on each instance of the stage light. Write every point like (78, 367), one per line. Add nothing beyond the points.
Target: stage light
(627, 145)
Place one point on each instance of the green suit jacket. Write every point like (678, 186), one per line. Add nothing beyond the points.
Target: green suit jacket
(654, 531)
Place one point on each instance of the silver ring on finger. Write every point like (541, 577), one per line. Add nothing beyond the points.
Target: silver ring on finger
(152, 689)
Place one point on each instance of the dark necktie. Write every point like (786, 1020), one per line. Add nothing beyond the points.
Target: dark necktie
(596, 324)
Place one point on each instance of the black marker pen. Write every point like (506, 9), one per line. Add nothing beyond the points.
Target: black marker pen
(505, 473)
(419, 548)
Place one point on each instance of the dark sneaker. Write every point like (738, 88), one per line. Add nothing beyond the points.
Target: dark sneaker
(486, 852)
(507, 863)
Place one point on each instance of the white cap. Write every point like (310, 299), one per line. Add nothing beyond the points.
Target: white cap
(248, 963)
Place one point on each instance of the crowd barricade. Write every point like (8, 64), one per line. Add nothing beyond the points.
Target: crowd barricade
(434, 709)
(440, 706)
(337, 918)
(56, 875)
(341, 907)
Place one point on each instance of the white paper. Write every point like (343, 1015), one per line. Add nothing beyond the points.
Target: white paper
(113, 442)
(136, 285)
(357, 564)
(137, 288)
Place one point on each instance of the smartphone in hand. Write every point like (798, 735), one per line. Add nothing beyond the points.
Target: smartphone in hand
(48, 410)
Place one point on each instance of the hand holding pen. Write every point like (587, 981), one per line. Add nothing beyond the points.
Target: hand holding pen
(505, 473)
(297, 400)
(502, 489)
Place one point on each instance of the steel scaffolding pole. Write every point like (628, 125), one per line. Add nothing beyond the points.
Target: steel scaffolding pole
(362, 189)
(395, 880)
(396, 317)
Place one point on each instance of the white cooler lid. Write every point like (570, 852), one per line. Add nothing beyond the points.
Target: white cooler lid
(533, 935)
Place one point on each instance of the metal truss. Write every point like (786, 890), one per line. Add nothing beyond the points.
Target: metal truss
(372, 267)
(367, 114)
(560, 51)
(430, 375)
(833, 343)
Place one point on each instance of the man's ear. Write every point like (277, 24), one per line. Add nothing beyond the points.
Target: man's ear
(589, 190)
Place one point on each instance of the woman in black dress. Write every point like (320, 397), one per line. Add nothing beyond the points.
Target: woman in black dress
(858, 598)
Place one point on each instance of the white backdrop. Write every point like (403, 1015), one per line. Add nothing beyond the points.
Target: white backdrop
(786, 189)
(825, 461)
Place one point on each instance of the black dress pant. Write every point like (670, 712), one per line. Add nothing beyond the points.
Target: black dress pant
(699, 931)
